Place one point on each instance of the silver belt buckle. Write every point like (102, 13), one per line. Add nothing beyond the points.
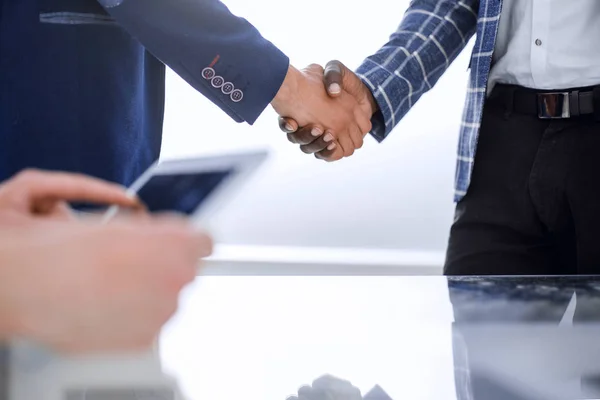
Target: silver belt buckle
(553, 105)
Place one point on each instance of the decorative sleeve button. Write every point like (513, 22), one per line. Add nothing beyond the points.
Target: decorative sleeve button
(237, 95)
(208, 73)
(227, 88)
(217, 81)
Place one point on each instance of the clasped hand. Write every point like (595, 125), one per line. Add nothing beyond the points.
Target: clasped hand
(327, 111)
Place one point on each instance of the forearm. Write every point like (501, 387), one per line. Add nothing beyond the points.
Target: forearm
(192, 35)
(430, 36)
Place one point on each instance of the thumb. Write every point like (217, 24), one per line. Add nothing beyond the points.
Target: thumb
(338, 77)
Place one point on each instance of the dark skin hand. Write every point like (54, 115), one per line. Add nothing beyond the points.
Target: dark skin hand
(339, 82)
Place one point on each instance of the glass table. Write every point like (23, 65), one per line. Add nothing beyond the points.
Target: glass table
(263, 337)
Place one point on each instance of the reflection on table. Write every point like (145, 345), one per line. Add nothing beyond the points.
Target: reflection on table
(416, 337)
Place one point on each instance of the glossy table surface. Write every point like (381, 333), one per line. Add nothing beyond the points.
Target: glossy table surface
(263, 337)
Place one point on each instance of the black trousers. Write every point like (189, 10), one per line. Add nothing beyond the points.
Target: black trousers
(533, 205)
(532, 208)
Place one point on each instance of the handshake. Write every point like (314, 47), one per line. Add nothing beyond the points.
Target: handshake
(329, 387)
(326, 111)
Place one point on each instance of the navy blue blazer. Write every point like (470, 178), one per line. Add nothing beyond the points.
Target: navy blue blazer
(82, 83)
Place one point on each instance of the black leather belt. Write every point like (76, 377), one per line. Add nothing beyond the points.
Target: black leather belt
(548, 104)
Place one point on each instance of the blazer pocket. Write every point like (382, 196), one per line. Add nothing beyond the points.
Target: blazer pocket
(75, 18)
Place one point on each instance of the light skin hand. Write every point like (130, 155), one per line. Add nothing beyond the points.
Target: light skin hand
(34, 193)
(340, 121)
(339, 82)
(67, 284)
(84, 287)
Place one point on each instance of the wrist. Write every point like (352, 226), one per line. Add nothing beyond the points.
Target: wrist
(373, 106)
(11, 324)
(287, 90)
(17, 291)
(368, 101)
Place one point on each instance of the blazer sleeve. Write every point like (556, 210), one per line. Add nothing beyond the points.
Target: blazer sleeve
(221, 55)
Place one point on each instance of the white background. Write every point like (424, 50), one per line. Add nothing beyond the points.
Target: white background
(395, 195)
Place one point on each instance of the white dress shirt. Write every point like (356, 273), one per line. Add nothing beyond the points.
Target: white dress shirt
(548, 44)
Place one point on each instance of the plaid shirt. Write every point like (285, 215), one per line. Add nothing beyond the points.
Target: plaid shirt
(430, 36)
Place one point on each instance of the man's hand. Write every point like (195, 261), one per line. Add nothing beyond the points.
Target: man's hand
(328, 387)
(340, 83)
(340, 121)
(38, 193)
(86, 287)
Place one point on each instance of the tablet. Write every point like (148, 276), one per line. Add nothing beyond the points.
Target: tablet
(194, 187)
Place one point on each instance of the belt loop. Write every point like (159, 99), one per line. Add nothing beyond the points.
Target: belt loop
(596, 102)
(509, 101)
(574, 103)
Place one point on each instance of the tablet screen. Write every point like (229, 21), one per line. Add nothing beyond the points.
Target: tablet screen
(180, 192)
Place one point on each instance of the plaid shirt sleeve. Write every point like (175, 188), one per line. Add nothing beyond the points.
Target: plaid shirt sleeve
(430, 36)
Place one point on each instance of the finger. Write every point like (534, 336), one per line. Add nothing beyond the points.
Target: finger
(321, 394)
(139, 215)
(317, 68)
(309, 393)
(170, 218)
(364, 123)
(337, 77)
(292, 138)
(172, 237)
(201, 244)
(342, 388)
(346, 144)
(305, 391)
(333, 77)
(42, 186)
(324, 142)
(191, 246)
(305, 135)
(330, 382)
(288, 125)
(61, 211)
(330, 155)
(56, 209)
(204, 244)
(128, 220)
(357, 136)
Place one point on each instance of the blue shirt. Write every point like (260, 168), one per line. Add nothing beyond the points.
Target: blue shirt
(82, 89)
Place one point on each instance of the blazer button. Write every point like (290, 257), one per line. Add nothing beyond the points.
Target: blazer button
(208, 73)
(227, 88)
(237, 95)
(217, 81)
